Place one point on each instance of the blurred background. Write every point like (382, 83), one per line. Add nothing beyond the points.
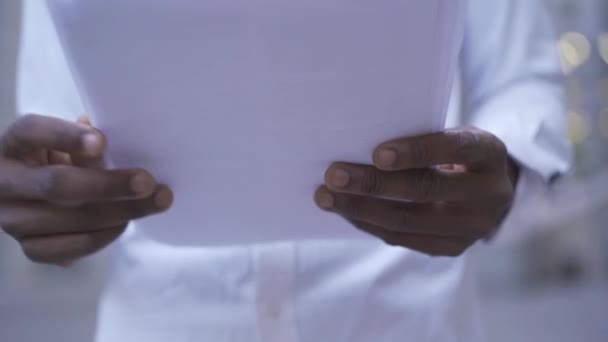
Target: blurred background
(549, 286)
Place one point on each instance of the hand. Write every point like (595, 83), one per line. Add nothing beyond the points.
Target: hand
(437, 194)
(56, 197)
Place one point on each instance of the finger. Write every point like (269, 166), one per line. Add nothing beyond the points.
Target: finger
(33, 132)
(402, 217)
(59, 158)
(420, 185)
(430, 245)
(93, 162)
(59, 249)
(30, 220)
(476, 149)
(85, 120)
(72, 185)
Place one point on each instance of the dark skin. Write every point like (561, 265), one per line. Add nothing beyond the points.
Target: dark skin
(58, 200)
(61, 203)
(437, 194)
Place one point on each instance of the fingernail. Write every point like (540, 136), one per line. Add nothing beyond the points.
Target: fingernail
(142, 183)
(91, 144)
(339, 178)
(325, 200)
(386, 157)
(163, 199)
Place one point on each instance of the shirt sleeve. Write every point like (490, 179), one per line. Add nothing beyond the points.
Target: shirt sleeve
(514, 89)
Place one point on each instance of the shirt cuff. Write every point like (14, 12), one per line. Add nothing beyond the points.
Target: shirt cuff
(539, 145)
(514, 227)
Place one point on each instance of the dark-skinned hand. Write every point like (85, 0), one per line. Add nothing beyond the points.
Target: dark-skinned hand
(437, 194)
(58, 200)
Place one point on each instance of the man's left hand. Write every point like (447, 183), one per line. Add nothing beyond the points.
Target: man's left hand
(437, 193)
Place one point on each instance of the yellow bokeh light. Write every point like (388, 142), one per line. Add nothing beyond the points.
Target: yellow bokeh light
(602, 43)
(578, 127)
(574, 50)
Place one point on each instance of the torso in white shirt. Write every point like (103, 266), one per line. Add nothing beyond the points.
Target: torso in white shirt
(355, 291)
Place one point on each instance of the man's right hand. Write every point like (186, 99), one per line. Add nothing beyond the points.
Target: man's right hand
(56, 197)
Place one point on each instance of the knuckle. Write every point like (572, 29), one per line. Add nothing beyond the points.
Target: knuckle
(372, 183)
(466, 142)
(55, 183)
(52, 183)
(112, 185)
(466, 138)
(426, 185)
(475, 145)
(109, 185)
(420, 153)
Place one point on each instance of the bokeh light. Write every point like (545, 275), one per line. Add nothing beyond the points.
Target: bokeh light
(602, 44)
(574, 49)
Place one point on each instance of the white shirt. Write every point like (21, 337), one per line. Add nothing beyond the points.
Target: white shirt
(336, 291)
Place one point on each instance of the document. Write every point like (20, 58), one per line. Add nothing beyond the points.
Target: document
(240, 106)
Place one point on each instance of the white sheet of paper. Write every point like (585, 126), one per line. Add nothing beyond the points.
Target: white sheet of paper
(241, 105)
